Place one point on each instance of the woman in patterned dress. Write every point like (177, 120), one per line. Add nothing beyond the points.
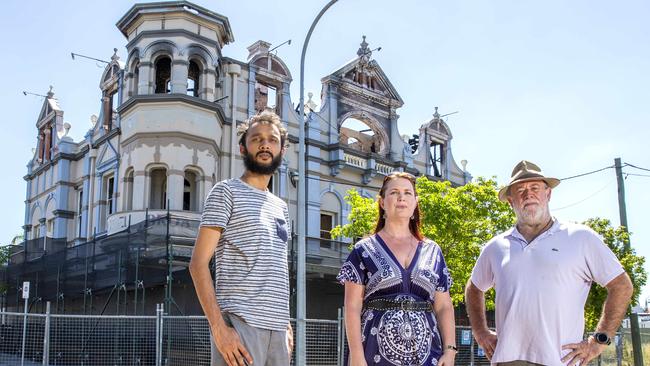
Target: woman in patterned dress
(397, 305)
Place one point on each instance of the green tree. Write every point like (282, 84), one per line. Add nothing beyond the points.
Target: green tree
(460, 219)
(615, 239)
(362, 217)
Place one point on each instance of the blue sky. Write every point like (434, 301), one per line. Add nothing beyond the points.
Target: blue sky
(563, 84)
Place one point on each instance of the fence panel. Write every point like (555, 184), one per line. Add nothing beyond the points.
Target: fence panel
(102, 340)
(186, 340)
(11, 338)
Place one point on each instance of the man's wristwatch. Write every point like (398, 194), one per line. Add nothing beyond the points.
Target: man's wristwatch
(602, 338)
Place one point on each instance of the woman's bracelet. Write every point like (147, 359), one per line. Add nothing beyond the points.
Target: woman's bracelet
(451, 347)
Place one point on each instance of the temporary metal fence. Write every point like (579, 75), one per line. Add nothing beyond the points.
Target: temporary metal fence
(57, 339)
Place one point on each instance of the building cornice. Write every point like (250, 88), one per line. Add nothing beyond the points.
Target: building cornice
(175, 134)
(170, 98)
(168, 33)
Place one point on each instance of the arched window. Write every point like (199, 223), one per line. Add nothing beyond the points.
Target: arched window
(357, 135)
(193, 77)
(128, 190)
(190, 192)
(163, 69)
(136, 78)
(158, 196)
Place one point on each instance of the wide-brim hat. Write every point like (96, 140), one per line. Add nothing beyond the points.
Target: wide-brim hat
(526, 171)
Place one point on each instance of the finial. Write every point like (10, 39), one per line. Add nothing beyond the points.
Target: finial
(436, 115)
(50, 93)
(66, 126)
(364, 51)
(115, 56)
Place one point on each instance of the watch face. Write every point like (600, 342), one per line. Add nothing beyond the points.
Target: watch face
(602, 338)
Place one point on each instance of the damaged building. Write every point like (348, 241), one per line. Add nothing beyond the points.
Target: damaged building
(110, 220)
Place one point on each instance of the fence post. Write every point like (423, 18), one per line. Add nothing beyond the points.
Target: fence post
(619, 349)
(46, 335)
(22, 352)
(159, 333)
(471, 349)
(340, 344)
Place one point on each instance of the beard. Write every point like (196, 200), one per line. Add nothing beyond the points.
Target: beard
(264, 169)
(531, 217)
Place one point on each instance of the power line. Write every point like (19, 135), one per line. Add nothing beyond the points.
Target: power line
(588, 173)
(359, 185)
(584, 199)
(637, 167)
(637, 175)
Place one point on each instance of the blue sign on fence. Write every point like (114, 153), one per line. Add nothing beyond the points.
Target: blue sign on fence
(466, 336)
(480, 352)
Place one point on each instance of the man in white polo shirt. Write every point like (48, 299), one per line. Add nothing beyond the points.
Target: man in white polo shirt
(542, 270)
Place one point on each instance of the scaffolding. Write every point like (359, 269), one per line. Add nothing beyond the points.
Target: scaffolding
(121, 266)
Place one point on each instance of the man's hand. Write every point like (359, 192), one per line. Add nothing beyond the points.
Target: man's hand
(289, 339)
(582, 353)
(488, 341)
(231, 348)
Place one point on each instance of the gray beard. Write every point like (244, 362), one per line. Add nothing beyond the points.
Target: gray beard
(532, 218)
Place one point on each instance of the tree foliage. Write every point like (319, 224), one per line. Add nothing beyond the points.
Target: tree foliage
(460, 219)
(615, 239)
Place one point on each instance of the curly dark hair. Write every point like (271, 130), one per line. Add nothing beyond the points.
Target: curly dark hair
(263, 117)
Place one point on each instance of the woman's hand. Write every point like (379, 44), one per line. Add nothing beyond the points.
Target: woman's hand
(447, 358)
(358, 360)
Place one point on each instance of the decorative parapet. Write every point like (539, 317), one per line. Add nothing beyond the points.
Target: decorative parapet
(369, 165)
(384, 169)
(355, 161)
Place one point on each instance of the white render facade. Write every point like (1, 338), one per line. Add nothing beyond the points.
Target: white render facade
(164, 133)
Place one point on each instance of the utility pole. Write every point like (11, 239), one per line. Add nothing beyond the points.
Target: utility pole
(634, 317)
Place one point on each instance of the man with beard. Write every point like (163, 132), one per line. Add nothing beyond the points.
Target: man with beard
(246, 228)
(542, 270)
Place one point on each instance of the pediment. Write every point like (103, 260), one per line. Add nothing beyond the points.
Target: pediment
(437, 129)
(106, 155)
(48, 109)
(111, 73)
(369, 77)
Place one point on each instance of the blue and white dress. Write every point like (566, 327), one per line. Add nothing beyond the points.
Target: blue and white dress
(397, 337)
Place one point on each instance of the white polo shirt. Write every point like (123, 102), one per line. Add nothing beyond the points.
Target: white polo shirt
(541, 288)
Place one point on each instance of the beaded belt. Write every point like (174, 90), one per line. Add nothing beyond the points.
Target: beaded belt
(404, 305)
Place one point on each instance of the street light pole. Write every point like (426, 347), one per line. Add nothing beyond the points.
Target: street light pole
(301, 350)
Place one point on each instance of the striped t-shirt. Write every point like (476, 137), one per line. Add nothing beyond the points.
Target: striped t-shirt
(252, 278)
